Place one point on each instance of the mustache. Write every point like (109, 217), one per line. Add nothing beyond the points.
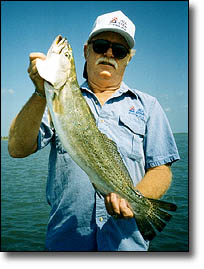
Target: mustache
(108, 61)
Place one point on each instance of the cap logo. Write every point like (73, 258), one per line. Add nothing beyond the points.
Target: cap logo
(114, 20)
(119, 23)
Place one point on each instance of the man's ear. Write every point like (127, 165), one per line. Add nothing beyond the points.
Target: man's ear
(85, 51)
(129, 60)
(132, 53)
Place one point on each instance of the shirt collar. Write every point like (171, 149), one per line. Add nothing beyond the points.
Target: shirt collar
(123, 89)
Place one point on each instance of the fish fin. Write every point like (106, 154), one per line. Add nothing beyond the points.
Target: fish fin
(50, 119)
(157, 222)
(153, 216)
(163, 204)
(100, 194)
(163, 215)
(145, 228)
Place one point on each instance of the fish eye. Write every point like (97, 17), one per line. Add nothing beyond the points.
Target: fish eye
(67, 54)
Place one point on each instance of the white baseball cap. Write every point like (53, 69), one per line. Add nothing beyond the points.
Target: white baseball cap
(115, 22)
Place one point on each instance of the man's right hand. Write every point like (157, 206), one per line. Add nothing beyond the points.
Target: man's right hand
(33, 72)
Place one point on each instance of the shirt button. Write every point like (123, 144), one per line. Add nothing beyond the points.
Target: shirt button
(102, 121)
(101, 219)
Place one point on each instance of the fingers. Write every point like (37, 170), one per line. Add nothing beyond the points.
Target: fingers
(33, 72)
(117, 205)
(108, 204)
(112, 204)
(125, 209)
(35, 55)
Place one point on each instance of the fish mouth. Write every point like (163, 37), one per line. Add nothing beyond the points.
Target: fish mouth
(58, 39)
(61, 45)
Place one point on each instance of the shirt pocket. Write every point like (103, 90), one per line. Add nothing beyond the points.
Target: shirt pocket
(133, 131)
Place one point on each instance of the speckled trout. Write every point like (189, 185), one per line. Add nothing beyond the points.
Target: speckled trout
(92, 150)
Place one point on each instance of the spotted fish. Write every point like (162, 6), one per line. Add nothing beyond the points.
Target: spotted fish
(92, 150)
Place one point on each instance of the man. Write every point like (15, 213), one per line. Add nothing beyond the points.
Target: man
(80, 219)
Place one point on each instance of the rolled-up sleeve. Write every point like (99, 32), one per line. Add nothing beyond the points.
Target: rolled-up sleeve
(160, 146)
(45, 132)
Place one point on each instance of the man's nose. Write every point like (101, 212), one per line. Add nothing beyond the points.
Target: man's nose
(109, 53)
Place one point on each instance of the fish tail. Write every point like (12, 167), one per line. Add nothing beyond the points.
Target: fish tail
(155, 217)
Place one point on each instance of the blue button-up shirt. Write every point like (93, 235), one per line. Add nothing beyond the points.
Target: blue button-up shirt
(78, 219)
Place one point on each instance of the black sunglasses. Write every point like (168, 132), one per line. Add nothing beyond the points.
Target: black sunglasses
(100, 46)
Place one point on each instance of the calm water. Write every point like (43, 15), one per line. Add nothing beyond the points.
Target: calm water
(24, 210)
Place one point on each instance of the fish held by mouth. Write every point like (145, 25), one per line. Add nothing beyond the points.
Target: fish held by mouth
(92, 150)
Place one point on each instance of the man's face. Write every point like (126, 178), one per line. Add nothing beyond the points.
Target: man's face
(109, 70)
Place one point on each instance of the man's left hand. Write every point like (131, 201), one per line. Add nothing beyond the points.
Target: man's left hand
(117, 206)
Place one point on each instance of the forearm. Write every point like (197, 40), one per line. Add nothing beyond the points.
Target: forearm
(156, 182)
(25, 127)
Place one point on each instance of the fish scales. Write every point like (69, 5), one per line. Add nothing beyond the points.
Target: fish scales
(92, 150)
(89, 141)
